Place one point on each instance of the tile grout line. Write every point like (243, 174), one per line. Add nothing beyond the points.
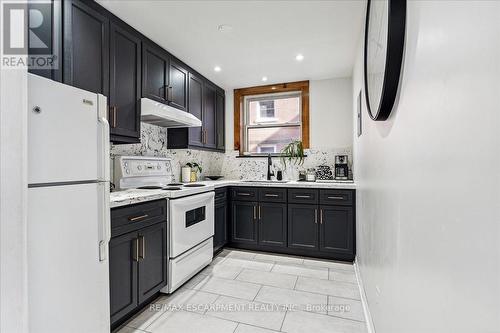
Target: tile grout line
(283, 321)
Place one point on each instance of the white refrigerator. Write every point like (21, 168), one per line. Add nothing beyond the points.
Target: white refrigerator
(68, 209)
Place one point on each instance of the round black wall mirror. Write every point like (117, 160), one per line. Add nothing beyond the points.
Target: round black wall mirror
(384, 47)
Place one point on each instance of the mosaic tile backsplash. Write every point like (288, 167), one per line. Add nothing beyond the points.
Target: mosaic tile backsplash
(229, 165)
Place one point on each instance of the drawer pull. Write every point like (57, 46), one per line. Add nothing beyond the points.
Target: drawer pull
(271, 195)
(336, 198)
(303, 196)
(243, 194)
(137, 218)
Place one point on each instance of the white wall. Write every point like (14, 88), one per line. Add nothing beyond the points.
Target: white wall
(330, 116)
(330, 109)
(428, 203)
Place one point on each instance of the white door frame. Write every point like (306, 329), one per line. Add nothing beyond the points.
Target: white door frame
(13, 200)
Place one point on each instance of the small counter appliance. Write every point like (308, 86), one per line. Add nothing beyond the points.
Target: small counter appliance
(341, 167)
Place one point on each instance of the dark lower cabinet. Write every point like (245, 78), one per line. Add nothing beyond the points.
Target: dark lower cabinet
(272, 224)
(294, 221)
(152, 268)
(220, 227)
(124, 85)
(123, 275)
(244, 222)
(336, 231)
(303, 226)
(137, 257)
(86, 47)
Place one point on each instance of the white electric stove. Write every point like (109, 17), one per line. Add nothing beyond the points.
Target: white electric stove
(190, 213)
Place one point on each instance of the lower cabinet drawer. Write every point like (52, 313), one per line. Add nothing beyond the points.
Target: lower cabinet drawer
(244, 193)
(133, 217)
(336, 197)
(187, 265)
(303, 196)
(272, 194)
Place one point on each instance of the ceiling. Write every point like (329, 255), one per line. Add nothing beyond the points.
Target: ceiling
(263, 40)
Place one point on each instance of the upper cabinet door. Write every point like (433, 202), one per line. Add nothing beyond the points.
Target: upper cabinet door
(209, 118)
(154, 73)
(196, 137)
(49, 32)
(125, 85)
(86, 47)
(177, 93)
(220, 120)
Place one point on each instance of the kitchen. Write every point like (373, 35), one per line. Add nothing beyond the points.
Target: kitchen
(227, 169)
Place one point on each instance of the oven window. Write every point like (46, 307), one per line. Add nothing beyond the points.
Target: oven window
(194, 216)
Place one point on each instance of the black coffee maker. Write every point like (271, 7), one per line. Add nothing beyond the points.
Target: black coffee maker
(341, 167)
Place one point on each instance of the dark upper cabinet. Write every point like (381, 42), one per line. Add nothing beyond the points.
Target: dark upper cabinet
(220, 228)
(122, 275)
(272, 224)
(152, 270)
(177, 91)
(86, 47)
(220, 118)
(303, 226)
(209, 116)
(49, 32)
(124, 85)
(155, 62)
(336, 231)
(196, 109)
(244, 222)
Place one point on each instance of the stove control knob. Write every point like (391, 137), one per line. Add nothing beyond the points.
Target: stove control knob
(139, 167)
(127, 171)
(125, 164)
(158, 167)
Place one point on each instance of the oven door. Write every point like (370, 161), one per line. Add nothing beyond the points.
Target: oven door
(191, 222)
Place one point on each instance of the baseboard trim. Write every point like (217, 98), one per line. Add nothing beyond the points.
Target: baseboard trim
(364, 300)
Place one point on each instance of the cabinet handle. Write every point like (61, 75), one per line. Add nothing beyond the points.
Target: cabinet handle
(271, 195)
(259, 212)
(336, 198)
(321, 216)
(316, 216)
(254, 213)
(169, 93)
(113, 113)
(303, 196)
(243, 194)
(137, 218)
(135, 254)
(142, 248)
(159, 93)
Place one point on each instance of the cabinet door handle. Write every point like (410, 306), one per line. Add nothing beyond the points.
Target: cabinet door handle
(169, 93)
(254, 213)
(135, 253)
(137, 218)
(259, 212)
(243, 194)
(271, 195)
(316, 216)
(321, 216)
(303, 196)
(336, 198)
(142, 247)
(113, 113)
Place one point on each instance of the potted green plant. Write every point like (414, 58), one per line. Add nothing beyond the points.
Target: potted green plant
(195, 168)
(293, 153)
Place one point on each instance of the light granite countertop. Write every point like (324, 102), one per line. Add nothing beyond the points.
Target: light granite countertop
(133, 196)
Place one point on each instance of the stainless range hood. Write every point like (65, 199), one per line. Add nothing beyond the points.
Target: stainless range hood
(166, 116)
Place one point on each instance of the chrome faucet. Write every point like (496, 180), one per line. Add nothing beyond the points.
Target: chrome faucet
(269, 164)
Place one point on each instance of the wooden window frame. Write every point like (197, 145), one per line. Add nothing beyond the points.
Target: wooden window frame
(239, 96)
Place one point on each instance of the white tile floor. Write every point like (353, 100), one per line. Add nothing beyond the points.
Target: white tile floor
(249, 292)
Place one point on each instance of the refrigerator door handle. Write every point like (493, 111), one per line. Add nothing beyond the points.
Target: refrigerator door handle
(103, 142)
(104, 220)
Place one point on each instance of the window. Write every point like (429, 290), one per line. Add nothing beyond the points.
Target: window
(266, 120)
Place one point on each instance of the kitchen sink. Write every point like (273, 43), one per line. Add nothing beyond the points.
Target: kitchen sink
(266, 181)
